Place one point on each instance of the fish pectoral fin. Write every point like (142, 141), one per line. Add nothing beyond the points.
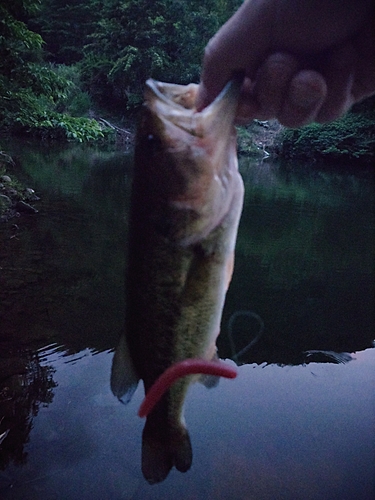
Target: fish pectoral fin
(124, 379)
(161, 451)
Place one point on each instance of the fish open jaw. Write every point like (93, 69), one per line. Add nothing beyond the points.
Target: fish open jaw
(176, 104)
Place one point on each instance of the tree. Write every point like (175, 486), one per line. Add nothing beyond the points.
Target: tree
(138, 39)
(31, 90)
(65, 26)
(115, 44)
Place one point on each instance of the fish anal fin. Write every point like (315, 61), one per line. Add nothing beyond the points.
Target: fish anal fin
(124, 380)
(210, 381)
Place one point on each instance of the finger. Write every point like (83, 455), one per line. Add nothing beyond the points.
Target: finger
(306, 94)
(272, 84)
(246, 112)
(234, 48)
(248, 106)
(338, 74)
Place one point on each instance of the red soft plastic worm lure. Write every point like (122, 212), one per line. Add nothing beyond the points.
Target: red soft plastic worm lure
(178, 370)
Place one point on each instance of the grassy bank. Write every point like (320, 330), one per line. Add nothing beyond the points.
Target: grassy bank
(348, 140)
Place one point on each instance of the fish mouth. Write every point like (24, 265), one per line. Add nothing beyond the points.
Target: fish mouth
(192, 170)
(176, 104)
(178, 96)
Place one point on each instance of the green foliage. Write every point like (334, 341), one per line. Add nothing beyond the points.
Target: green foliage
(80, 104)
(138, 39)
(245, 142)
(18, 45)
(118, 43)
(35, 97)
(74, 101)
(35, 109)
(102, 51)
(351, 138)
(61, 127)
(64, 26)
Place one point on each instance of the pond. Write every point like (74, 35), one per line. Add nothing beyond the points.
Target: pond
(298, 421)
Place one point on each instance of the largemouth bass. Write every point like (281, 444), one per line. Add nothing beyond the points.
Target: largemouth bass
(186, 204)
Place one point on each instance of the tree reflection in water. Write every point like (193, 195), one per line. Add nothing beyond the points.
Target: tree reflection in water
(25, 385)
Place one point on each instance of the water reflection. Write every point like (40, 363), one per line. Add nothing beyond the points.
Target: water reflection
(25, 386)
(64, 269)
(268, 434)
(61, 277)
(304, 265)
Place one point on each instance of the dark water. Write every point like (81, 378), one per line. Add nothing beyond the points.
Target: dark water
(295, 424)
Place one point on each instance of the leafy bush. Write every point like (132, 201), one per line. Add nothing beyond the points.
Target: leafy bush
(24, 112)
(80, 104)
(75, 101)
(139, 39)
(351, 138)
(39, 98)
(62, 127)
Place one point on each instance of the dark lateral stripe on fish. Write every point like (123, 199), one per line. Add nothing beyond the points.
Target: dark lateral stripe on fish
(178, 370)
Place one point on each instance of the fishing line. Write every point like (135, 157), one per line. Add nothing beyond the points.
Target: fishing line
(232, 319)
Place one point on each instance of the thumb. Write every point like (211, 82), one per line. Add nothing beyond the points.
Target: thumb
(239, 46)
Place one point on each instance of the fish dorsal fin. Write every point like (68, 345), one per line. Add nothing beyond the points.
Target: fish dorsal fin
(124, 379)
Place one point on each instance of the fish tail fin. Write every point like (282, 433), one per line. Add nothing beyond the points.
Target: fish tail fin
(124, 380)
(163, 450)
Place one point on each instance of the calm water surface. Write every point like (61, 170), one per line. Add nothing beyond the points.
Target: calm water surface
(295, 424)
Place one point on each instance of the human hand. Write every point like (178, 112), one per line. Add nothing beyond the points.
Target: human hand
(304, 60)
